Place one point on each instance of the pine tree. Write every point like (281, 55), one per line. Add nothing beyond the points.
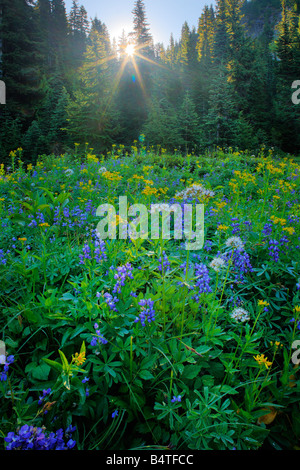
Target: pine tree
(20, 55)
(170, 57)
(219, 122)
(78, 31)
(141, 33)
(101, 28)
(287, 115)
(189, 123)
(59, 37)
(43, 8)
(162, 127)
(206, 31)
(92, 115)
(241, 54)
(185, 49)
(221, 36)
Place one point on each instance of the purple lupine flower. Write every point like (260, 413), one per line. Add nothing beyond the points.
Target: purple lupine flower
(133, 294)
(111, 301)
(100, 251)
(298, 323)
(123, 272)
(207, 245)
(164, 265)
(267, 230)
(36, 438)
(147, 312)
(240, 261)
(202, 280)
(99, 338)
(176, 399)
(8, 361)
(3, 258)
(235, 225)
(45, 394)
(86, 253)
(274, 250)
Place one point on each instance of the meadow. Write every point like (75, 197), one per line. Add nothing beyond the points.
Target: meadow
(142, 344)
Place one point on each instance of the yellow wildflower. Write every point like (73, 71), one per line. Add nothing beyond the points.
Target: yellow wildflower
(79, 358)
(262, 360)
(222, 228)
(149, 191)
(290, 230)
(263, 303)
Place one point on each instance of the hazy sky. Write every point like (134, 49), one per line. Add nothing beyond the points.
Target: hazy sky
(164, 16)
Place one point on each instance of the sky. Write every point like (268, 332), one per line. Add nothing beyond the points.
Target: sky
(164, 16)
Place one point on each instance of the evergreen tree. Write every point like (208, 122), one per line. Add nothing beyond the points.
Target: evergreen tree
(20, 56)
(287, 115)
(221, 36)
(43, 8)
(78, 25)
(189, 123)
(170, 56)
(206, 33)
(92, 115)
(59, 37)
(185, 48)
(218, 125)
(101, 28)
(162, 127)
(141, 34)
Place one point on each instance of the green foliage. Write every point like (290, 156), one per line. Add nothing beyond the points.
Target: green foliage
(196, 377)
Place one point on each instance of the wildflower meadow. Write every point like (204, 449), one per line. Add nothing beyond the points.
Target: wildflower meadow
(139, 343)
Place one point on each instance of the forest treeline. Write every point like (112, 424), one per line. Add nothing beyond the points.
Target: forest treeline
(218, 85)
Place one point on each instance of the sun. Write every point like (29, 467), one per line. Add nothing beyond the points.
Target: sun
(130, 50)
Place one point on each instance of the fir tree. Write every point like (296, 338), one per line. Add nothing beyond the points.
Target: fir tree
(92, 115)
(141, 33)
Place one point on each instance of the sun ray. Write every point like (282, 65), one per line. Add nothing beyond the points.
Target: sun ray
(151, 61)
(130, 55)
(139, 77)
(116, 84)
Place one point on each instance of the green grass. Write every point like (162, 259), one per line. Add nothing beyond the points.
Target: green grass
(50, 302)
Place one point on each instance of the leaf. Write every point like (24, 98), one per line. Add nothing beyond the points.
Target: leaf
(146, 374)
(190, 372)
(54, 364)
(65, 364)
(269, 417)
(82, 349)
(225, 389)
(41, 372)
(66, 380)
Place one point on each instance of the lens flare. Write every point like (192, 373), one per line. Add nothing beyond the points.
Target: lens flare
(130, 50)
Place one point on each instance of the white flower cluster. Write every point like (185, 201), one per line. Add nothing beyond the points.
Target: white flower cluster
(235, 242)
(217, 264)
(196, 191)
(240, 315)
(102, 170)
